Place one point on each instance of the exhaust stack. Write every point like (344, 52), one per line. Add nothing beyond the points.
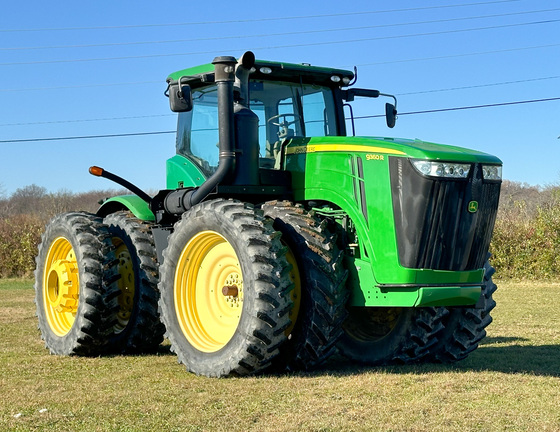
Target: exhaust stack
(238, 134)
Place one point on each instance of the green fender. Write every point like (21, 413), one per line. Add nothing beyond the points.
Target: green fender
(133, 203)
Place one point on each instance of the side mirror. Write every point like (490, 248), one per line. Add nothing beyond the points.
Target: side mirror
(390, 109)
(180, 97)
(390, 115)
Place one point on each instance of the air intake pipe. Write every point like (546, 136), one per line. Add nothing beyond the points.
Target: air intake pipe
(246, 125)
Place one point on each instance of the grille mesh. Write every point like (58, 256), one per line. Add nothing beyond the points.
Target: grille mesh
(434, 228)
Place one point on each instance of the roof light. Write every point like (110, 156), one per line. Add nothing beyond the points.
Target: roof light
(265, 70)
(345, 80)
(335, 78)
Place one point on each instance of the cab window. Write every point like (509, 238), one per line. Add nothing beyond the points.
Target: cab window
(285, 110)
(197, 130)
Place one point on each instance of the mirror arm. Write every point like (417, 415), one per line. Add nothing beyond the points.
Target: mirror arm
(391, 96)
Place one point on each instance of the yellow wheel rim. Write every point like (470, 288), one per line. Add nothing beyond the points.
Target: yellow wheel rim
(296, 292)
(208, 291)
(126, 285)
(61, 286)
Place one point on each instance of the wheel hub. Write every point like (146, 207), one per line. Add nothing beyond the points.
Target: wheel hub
(62, 287)
(231, 290)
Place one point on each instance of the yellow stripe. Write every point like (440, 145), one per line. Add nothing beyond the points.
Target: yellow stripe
(341, 148)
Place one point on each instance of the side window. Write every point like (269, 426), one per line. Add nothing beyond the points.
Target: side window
(197, 130)
(318, 107)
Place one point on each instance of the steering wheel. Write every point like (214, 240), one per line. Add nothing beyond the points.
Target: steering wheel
(284, 123)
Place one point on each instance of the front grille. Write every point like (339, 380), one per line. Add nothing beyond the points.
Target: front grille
(434, 228)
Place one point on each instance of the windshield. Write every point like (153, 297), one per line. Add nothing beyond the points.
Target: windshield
(285, 110)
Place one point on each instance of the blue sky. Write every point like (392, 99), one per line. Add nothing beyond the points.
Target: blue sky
(72, 69)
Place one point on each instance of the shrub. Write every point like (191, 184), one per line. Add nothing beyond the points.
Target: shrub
(23, 217)
(526, 241)
(19, 238)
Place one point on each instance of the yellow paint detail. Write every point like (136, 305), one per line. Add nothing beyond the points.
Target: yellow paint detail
(208, 318)
(126, 285)
(296, 292)
(61, 286)
(341, 148)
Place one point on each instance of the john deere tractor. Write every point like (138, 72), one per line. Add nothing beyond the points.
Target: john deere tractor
(279, 237)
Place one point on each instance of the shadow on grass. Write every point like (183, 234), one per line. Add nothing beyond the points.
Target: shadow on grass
(542, 360)
(510, 358)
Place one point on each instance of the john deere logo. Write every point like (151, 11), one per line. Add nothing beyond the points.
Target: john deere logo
(473, 206)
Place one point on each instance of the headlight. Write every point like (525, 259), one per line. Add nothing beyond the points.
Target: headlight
(492, 172)
(442, 169)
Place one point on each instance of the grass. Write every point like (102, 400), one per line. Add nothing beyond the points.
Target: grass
(512, 382)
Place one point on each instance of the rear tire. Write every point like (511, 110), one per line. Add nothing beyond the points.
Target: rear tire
(75, 285)
(464, 327)
(225, 290)
(138, 328)
(380, 336)
(319, 294)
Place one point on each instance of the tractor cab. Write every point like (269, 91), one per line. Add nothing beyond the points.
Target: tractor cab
(285, 109)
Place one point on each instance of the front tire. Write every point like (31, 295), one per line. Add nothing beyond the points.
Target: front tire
(381, 336)
(225, 290)
(75, 289)
(465, 327)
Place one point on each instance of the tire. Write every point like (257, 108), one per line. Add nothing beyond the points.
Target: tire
(138, 328)
(319, 294)
(465, 327)
(225, 290)
(75, 285)
(382, 336)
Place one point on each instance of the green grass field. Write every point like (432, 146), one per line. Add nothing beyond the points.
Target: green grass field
(511, 383)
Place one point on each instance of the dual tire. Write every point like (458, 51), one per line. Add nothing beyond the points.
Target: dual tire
(380, 336)
(225, 290)
(138, 328)
(75, 285)
(96, 285)
(465, 327)
(319, 278)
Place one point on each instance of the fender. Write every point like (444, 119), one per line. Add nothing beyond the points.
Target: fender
(133, 203)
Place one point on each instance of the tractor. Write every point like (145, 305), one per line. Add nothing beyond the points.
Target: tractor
(280, 238)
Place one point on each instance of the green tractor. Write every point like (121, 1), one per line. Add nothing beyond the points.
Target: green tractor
(279, 238)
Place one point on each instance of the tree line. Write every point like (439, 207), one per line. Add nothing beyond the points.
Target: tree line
(23, 217)
(526, 242)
